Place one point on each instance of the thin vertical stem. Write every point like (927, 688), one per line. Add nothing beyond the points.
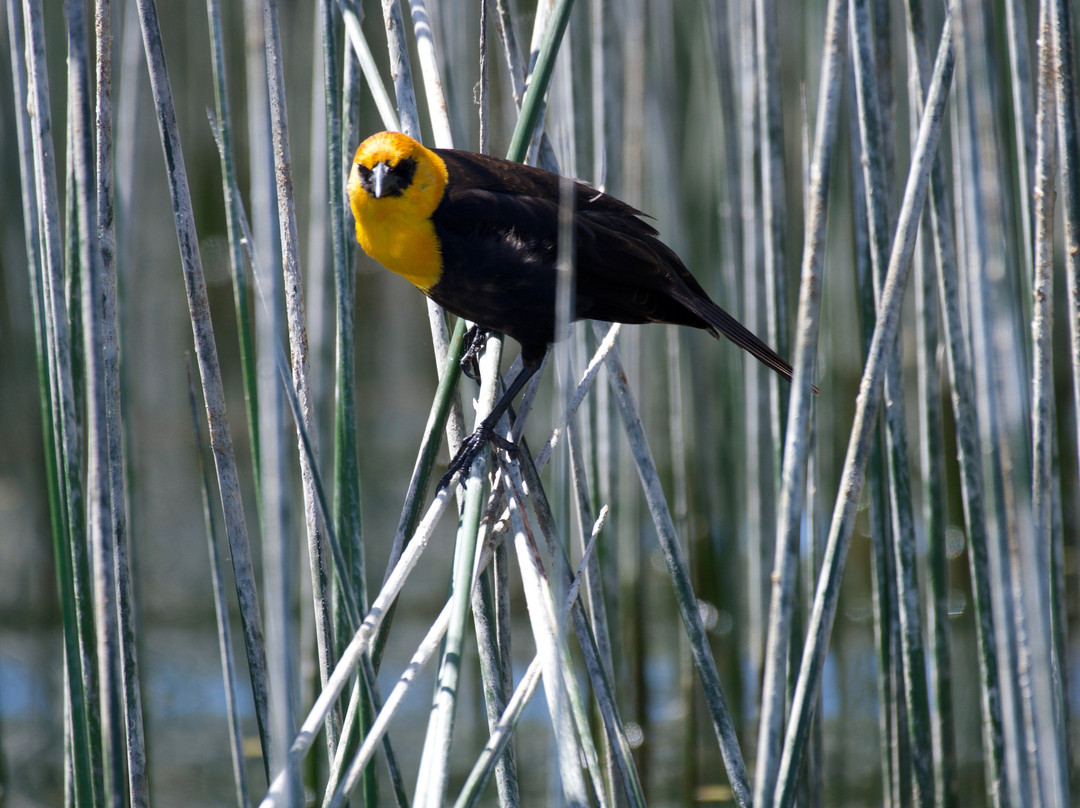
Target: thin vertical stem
(1023, 134)
(298, 342)
(774, 210)
(138, 786)
(902, 534)
(346, 495)
(1068, 150)
(101, 539)
(756, 452)
(932, 463)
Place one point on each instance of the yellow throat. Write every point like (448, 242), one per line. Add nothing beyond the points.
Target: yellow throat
(396, 228)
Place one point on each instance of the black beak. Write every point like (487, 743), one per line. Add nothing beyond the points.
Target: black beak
(379, 186)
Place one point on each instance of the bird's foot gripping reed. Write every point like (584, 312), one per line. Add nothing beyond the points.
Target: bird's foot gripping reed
(479, 235)
(475, 340)
(474, 443)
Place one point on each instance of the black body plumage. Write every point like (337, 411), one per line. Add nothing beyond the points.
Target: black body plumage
(498, 227)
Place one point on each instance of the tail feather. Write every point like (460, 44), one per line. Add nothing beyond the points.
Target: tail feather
(722, 323)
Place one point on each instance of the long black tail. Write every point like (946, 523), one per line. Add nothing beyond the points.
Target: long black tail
(720, 322)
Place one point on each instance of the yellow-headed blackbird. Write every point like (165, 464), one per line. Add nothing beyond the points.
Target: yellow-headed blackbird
(478, 235)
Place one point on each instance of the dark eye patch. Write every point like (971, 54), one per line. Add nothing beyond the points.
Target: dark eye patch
(397, 178)
(401, 176)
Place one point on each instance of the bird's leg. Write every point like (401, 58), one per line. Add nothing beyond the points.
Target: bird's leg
(475, 341)
(474, 443)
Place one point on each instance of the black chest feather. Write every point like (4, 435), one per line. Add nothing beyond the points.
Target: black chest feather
(499, 282)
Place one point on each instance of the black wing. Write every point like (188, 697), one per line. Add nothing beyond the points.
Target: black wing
(509, 211)
(499, 221)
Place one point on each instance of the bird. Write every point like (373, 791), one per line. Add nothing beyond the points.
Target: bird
(479, 235)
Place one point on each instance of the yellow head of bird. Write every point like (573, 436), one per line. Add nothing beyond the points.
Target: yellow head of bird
(392, 166)
(394, 187)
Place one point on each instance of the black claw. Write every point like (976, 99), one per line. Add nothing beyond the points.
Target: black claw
(475, 342)
(470, 448)
(472, 445)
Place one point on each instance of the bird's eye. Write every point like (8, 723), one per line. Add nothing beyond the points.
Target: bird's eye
(363, 170)
(404, 171)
